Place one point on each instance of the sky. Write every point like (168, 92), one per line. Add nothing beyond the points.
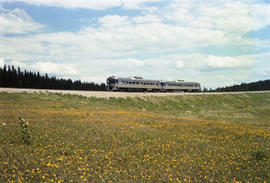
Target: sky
(216, 43)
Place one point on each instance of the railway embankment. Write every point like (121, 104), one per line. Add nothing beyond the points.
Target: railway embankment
(106, 94)
(237, 107)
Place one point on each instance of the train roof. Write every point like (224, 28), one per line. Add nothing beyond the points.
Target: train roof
(177, 82)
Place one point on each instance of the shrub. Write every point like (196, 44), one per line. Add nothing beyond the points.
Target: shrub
(259, 155)
(24, 129)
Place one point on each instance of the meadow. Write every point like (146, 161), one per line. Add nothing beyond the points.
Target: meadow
(46, 137)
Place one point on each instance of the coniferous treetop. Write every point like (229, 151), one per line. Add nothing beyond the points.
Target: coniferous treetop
(15, 78)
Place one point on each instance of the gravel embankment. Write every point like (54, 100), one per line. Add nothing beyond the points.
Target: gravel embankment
(105, 94)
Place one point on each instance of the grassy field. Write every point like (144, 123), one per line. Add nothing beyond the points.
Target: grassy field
(70, 138)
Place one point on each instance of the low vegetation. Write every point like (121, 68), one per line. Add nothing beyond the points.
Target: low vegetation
(48, 137)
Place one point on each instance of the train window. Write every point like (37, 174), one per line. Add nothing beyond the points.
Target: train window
(156, 83)
(130, 82)
(137, 83)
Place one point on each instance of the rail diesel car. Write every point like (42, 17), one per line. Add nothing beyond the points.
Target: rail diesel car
(138, 84)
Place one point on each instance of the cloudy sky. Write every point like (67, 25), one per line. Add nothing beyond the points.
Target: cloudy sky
(216, 43)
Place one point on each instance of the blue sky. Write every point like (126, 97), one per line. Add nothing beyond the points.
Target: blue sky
(216, 43)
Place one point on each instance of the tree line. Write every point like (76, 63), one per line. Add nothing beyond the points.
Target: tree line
(254, 86)
(16, 78)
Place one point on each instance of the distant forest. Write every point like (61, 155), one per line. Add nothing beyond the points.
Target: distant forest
(254, 86)
(15, 78)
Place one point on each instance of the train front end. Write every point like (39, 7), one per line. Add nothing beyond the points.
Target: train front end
(112, 84)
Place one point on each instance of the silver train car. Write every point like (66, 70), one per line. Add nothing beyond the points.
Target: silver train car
(138, 84)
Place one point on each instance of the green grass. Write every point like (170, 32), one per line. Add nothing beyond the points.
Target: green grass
(247, 108)
(203, 138)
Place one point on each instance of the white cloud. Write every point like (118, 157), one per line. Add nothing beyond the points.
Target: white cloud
(114, 21)
(235, 18)
(89, 4)
(17, 21)
(54, 68)
(261, 15)
(47, 67)
(216, 62)
(147, 19)
(2, 62)
(180, 64)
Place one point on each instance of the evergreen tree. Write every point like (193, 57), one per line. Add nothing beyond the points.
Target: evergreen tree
(11, 77)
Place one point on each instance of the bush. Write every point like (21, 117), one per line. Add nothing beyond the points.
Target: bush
(259, 155)
(24, 129)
